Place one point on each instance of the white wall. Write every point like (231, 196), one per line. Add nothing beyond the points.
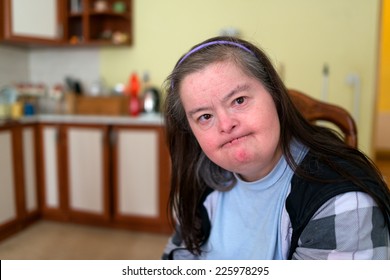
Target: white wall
(52, 65)
(49, 66)
(14, 66)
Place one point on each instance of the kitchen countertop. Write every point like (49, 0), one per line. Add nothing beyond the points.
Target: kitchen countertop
(142, 119)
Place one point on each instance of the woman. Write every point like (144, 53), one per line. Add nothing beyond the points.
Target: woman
(251, 178)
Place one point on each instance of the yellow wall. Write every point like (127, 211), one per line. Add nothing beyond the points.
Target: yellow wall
(384, 64)
(301, 35)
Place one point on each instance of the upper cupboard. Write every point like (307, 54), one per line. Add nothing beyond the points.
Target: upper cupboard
(66, 22)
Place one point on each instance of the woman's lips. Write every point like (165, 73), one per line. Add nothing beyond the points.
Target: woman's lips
(234, 141)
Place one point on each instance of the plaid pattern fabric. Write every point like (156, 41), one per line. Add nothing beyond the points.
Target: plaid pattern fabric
(348, 226)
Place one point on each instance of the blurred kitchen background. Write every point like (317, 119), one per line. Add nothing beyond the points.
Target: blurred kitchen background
(81, 143)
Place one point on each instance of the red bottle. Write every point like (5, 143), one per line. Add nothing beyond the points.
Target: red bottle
(132, 90)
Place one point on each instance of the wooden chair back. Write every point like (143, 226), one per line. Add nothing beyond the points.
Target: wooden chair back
(315, 110)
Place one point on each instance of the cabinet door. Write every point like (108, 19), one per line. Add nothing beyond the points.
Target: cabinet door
(139, 185)
(88, 172)
(29, 167)
(8, 201)
(48, 152)
(32, 21)
(138, 173)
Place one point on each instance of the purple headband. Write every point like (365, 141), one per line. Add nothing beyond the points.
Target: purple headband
(220, 42)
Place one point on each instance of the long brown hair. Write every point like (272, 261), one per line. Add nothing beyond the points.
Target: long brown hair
(193, 173)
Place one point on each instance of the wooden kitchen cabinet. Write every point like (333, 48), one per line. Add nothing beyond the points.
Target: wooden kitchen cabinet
(66, 22)
(33, 22)
(74, 172)
(117, 175)
(114, 175)
(140, 167)
(8, 190)
(97, 22)
(87, 172)
(19, 203)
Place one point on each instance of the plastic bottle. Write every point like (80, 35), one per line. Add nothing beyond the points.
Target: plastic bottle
(132, 91)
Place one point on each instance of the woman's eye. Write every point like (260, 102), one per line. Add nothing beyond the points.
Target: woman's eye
(239, 100)
(204, 117)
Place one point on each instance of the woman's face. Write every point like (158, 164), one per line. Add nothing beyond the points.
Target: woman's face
(233, 118)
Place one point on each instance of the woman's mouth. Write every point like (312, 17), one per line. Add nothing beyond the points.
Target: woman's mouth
(234, 141)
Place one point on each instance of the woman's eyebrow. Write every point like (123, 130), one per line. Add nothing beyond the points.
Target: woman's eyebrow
(196, 110)
(238, 89)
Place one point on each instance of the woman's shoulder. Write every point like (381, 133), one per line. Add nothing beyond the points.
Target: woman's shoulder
(330, 166)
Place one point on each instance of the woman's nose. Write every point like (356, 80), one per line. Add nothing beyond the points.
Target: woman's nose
(227, 122)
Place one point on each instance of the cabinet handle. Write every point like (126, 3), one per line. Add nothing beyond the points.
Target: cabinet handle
(60, 31)
(57, 135)
(113, 137)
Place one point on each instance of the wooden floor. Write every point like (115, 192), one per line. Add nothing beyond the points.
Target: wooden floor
(46, 240)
